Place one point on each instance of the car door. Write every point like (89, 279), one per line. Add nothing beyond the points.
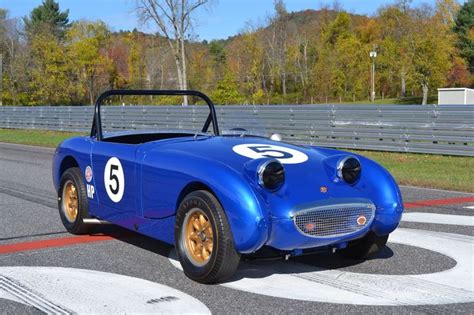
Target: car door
(113, 165)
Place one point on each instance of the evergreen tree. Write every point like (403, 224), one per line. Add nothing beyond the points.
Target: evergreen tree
(465, 29)
(47, 18)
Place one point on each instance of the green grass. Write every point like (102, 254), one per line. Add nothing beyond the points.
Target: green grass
(396, 101)
(427, 170)
(41, 138)
(424, 170)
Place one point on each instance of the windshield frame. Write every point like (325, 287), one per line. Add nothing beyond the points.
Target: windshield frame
(96, 130)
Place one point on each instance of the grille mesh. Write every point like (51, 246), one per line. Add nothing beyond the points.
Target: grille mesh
(335, 220)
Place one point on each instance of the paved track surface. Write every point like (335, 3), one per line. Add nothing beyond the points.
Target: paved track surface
(29, 215)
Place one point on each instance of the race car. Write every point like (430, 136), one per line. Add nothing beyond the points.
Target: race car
(217, 196)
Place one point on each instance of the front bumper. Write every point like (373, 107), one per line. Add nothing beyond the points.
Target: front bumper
(287, 235)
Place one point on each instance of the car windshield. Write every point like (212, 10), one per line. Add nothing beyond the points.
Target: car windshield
(163, 113)
(240, 121)
(154, 113)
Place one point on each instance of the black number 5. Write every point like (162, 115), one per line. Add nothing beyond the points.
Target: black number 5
(114, 178)
(271, 153)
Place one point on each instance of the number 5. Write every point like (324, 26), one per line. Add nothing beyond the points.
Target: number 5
(271, 152)
(114, 178)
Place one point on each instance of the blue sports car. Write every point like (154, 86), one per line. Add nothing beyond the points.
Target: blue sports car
(218, 196)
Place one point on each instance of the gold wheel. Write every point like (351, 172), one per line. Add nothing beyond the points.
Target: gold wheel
(198, 237)
(70, 201)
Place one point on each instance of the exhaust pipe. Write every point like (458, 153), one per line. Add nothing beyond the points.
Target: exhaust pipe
(94, 221)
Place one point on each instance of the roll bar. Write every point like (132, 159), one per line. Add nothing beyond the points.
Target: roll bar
(96, 130)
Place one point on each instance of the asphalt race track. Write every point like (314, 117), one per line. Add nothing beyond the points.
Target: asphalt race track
(426, 268)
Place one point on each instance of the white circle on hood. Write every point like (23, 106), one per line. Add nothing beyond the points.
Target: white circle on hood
(258, 151)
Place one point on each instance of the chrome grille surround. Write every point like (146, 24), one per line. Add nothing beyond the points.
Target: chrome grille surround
(334, 220)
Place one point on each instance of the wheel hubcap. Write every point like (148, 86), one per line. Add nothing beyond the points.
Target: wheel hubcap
(70, 201)
(198, 237)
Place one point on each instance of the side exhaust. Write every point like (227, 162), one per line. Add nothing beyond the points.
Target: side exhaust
(94, 221)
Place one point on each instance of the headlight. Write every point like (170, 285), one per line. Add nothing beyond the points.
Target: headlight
(271, 175)
(348, 169)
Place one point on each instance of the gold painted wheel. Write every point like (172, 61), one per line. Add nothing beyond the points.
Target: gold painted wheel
(198, 237)
(70, 201)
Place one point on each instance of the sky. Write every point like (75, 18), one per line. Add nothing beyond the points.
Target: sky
(222, 19)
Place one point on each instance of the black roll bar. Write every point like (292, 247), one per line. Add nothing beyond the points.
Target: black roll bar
(97, 123)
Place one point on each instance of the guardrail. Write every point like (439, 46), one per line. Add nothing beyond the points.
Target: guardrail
(423, 129)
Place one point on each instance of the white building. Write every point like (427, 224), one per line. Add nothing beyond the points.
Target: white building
(455, 96)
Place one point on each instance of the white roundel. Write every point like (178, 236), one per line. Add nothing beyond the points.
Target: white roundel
(283, 154)
(114, 179)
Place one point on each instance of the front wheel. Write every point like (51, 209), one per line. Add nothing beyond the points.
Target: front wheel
(72, 201)
(365, 247)
(204, 242)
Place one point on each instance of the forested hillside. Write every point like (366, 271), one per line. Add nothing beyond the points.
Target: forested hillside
(295, 57)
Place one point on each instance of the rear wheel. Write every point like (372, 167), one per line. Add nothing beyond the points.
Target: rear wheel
(204, 242)
(365, 247)
(72, 201)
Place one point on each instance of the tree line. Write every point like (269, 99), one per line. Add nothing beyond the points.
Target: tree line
(312, 56)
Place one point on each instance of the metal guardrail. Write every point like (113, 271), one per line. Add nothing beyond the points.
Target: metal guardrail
(424, 129)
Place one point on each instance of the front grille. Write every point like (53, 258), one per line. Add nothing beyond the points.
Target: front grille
(334, 220)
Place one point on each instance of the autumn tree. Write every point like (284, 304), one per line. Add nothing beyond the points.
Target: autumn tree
(341, 66)
(136, 60)
(117, 53)
(397, 31)
(203, 73)
(277, 41)
(47, 18)
(431, 56)
(291, 57)
(157, 59)
(50, 72)
(173, 19)
(14, 55)
(227, 91)
(86, 49)
(250, 67)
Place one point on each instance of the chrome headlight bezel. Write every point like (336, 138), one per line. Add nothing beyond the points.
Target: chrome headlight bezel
(343, 170)
(263, 174)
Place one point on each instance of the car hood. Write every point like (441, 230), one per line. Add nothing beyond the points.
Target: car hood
(236, 152)
(304, 165)
(310, 172)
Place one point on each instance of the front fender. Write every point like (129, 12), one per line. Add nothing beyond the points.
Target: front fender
(245, 212)
(76, 149)
(385, 193)
(376, 184)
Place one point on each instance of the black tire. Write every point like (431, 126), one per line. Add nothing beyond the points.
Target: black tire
(224, 259)
(365, 247)
(74, 225)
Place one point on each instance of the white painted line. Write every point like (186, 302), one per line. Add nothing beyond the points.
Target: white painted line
(438, 218)
(469, 207)
(29, 297)
(67, 290)
(298, 281)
